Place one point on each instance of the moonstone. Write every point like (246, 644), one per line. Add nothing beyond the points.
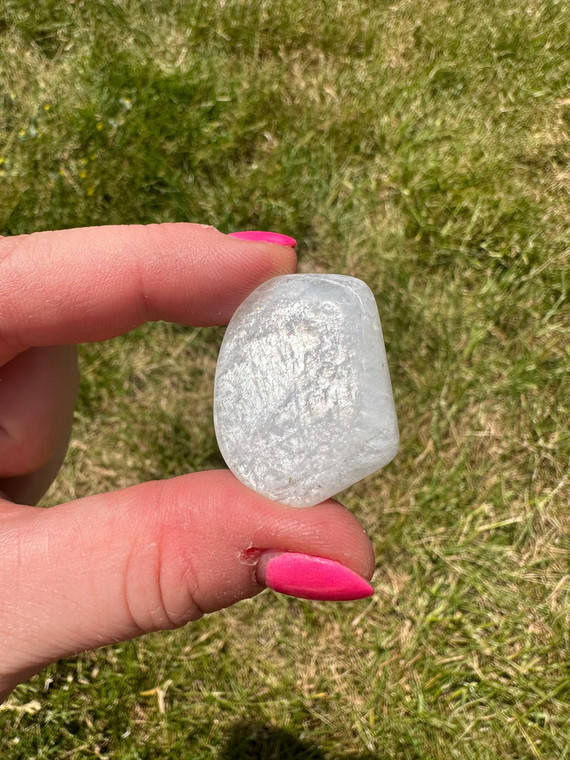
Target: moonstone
(303, 403)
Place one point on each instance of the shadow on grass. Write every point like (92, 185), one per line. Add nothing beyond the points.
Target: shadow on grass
(254, 741)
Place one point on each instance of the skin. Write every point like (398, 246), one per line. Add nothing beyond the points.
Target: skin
(155, 556)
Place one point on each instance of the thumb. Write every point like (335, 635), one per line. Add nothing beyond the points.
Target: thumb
(154, 556)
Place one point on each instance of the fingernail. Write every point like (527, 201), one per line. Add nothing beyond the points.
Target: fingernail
(258, 236)
(310, 577)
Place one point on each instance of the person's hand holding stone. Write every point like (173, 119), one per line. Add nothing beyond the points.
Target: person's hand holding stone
(154, 556)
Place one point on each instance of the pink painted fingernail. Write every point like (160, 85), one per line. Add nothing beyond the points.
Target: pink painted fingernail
(309, 577)
(258, 236)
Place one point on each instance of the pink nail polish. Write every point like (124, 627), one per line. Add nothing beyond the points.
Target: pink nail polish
(259, 236)
(310, 577)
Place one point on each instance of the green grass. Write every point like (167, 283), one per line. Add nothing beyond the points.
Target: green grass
(423, 147)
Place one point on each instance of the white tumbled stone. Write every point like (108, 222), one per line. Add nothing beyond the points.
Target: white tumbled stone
(303, 403)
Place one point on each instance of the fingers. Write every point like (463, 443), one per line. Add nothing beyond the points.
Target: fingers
(151, 557)
(88, 284)
(37, 396)
(29, 489)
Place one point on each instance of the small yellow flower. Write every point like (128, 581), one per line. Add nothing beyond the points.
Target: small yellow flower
(83, 161)
(99, 125)
(22, 132)
(61, 173)
(83, 174)
(90, 191)
(47, 107)
(93, 156)
(1, 159)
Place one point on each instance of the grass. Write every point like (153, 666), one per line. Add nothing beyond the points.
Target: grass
(423, 147)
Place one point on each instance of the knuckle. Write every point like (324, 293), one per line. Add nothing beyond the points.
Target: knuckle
(161, 586)
(22, 454)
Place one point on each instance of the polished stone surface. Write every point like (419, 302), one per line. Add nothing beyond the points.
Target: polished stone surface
(303, 404)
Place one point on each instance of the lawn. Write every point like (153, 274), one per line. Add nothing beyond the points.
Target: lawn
(423, 147)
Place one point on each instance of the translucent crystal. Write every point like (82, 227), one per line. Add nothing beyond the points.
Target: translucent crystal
(303, 403)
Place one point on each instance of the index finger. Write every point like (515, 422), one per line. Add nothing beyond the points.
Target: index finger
(94, 283)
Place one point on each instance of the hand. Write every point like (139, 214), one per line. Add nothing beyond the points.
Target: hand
(157, 555)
